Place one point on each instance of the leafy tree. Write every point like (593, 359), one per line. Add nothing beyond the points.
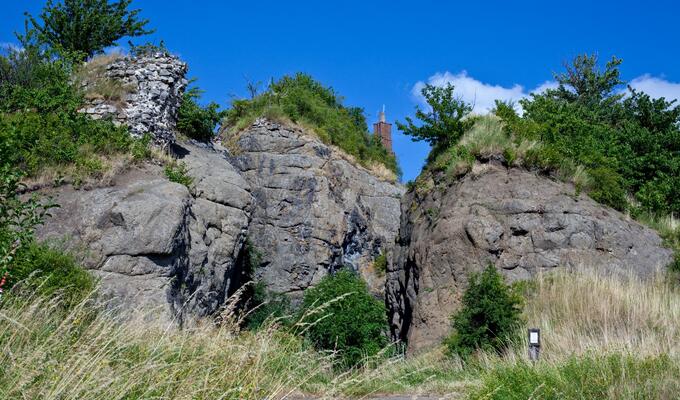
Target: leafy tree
(584, 82)
(350, 321)
(86, 27)
(489, 315)
(444, 123)
(628, 145)
(196, 121)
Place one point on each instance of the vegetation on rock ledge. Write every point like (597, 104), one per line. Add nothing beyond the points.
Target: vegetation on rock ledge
(301, 99)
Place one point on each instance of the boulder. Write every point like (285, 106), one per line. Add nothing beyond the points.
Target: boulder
(132, 236)
(521, 222)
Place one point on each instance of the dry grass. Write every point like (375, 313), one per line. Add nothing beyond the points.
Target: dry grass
(588, 311)
(230, 137)
(92, 76)
(584, 317)
(98, 171)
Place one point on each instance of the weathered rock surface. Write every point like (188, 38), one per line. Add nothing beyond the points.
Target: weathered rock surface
(218, 224)
(153, 243)
(305, 209)
(133, 236)
(155, 83)
(313, 210)
(520, 222)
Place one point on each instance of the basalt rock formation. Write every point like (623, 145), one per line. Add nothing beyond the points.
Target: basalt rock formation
(155, 244)
(512, 218)
(314, 211)
(305, 209)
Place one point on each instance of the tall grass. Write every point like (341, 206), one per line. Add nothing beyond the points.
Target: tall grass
(602, 337)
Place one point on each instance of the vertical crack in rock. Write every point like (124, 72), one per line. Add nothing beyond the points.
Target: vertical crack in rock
(482, 220)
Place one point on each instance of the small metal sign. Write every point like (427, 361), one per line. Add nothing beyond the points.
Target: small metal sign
(534, 343)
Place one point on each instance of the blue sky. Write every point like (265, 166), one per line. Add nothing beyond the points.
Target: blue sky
(377, 52)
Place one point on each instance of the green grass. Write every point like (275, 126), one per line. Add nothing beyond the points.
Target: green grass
(49, 271)
(178, 173)
(613, 376)
(302, 100)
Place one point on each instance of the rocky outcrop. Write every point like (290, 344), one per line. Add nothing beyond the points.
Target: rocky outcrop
(155, 244)
(314, 210)
(218, 225)
(512, 218)
(152, 87)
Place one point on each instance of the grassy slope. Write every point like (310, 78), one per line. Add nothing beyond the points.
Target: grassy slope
(602, 338)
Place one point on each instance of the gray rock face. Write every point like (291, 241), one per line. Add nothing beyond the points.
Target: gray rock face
(133, 236)
(157, 244)
(153, 243)
(220, 215)
(518, 221)
(313, 210)
(157, 82)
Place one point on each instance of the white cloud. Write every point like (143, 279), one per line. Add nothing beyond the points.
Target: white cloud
(481, 95)
(545, 86)
(656, 87)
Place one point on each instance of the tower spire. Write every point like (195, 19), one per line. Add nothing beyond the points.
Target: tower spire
(382, 114)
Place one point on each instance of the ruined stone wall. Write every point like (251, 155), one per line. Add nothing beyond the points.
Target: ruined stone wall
(152, 87)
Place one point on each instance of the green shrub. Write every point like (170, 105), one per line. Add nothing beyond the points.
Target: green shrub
(178, 173)
(267, 306)
(51, 271)
(488, 318)
(302, 99)
(196, 121)
(40, 267)
(18, 219)
(583, 377)
(627, 145)
(380, 264)
(608, 188)
(40, 126)
(350, 320)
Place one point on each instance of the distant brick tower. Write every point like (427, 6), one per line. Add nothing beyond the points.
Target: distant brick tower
(384, 131)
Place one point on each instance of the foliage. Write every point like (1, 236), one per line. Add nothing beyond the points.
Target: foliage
(489, 316)
(49, 271)
(18, 220)
(40, 126)
(86, 27)
(267, 306)
(444, 123)
(627, 145)
(345, 317)
(32, 79)
(615, 376)
(380, 264)
(196, 121)
(302, 99)
(178, 173)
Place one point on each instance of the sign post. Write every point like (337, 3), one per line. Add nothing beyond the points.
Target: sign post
(534, 343)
